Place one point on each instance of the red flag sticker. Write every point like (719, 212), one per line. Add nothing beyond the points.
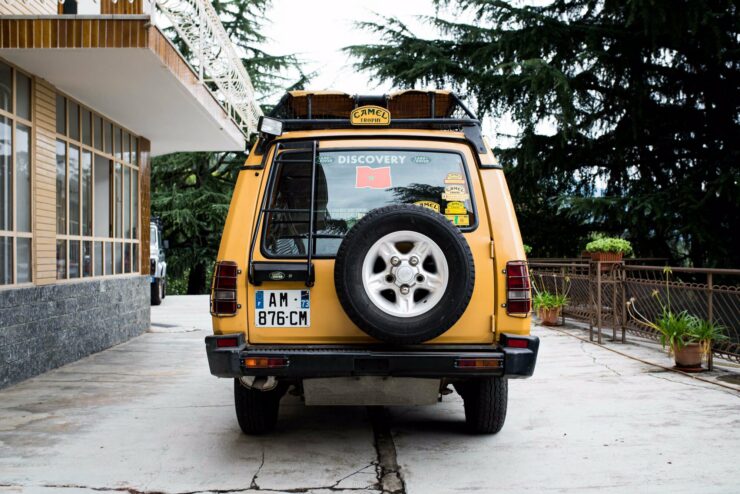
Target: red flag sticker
(367, 177)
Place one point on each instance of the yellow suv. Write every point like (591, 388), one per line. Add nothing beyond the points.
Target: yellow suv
(371, 256)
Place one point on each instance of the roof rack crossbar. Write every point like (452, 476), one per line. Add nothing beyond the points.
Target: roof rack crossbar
(337, 123)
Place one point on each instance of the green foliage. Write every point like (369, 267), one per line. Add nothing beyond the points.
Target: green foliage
(527, 249)
(678, 329)
(610, 244)
(191, 193)
(675, 329)
(643, 97)
(704, 330)
(546, 300)
(549, 291)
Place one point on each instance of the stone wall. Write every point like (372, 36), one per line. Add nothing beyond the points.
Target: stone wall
(44, 327)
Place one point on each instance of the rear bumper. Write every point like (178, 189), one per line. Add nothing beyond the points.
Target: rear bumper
(308, 361)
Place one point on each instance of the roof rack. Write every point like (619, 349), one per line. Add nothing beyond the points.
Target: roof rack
(411, 109)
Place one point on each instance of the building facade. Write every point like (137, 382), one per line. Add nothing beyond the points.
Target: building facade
(90, 91)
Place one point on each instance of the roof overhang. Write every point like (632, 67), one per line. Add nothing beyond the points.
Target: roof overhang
(138, 80)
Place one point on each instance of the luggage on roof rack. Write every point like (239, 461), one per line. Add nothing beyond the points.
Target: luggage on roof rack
(410, 109)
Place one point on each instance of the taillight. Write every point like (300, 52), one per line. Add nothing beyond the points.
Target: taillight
(223, 291)
(266, 363)
(227, 342)
(479, 363)
(517, 343)
(518, 293)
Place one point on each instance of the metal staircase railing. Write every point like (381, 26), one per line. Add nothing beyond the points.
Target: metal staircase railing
(214, 57)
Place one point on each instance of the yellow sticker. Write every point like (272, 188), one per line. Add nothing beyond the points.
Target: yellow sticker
(459, 219)
(370, 115)
(454, 178)
(428, 204)
(455, 193)
(455, 207)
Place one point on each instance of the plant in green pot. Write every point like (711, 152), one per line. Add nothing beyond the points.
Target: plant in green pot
(608, 249)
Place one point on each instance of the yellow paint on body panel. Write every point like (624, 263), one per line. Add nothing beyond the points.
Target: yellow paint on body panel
(329, 323)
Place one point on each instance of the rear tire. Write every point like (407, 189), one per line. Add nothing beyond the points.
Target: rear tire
(485, 404)
(157, 291)
(256, 411)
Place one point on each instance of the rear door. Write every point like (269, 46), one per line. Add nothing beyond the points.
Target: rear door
(352, 177)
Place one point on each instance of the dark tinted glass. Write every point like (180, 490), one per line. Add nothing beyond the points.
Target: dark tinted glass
(352, 182)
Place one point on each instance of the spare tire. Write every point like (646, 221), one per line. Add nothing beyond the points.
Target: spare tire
(404, 274)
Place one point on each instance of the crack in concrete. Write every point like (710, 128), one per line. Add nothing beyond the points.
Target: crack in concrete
(593, 358)
(131, 490)
(253, 484)
(390, 478)
(336, 484)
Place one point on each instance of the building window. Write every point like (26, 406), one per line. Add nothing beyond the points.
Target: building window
(97, 194)
(15, 177)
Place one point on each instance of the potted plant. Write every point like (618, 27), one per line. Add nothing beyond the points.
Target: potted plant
(549, 307)
(608, 249)
(549, 304)
(689, 338)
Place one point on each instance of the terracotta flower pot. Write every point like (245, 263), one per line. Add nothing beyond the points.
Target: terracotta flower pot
(606, 256)
(550, 317)
(689, 356)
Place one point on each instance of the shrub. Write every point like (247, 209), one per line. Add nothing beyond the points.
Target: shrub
(610, 244)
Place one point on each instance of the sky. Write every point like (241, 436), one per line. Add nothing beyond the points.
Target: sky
(317, 30)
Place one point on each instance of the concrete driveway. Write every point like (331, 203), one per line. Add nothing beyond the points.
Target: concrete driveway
(146, 416)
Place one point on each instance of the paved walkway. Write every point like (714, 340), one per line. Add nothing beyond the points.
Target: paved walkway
(146, 416)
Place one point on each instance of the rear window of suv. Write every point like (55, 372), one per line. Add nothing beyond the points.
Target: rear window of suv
(349, 183)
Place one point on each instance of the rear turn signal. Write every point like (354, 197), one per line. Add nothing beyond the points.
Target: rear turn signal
(265, 363)
(478, 363)
(223, 290)
(518, 293)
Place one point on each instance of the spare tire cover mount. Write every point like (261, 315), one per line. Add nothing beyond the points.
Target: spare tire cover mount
(416, 278)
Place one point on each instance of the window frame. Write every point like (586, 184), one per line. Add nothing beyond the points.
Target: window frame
(269, 191)
(15, 120)
(129, 244)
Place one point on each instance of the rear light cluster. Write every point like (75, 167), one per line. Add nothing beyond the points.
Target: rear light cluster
(265, 362)
(223, 291)
(518, 289)
(479, 363)
(517, 343)
(227, 342)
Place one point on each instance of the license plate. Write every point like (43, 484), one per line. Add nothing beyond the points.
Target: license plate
(282, 309)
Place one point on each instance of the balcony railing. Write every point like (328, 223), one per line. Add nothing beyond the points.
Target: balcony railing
(598, 293)
(213, 57)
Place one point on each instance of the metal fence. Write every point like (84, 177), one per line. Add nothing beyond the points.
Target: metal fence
(598, 293)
